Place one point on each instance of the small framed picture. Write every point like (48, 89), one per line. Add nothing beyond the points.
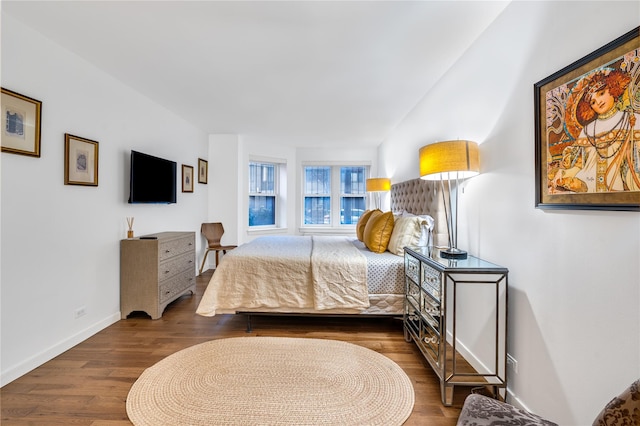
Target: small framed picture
(203, 170)
(80, 161)
(21, 118)
(187, 178)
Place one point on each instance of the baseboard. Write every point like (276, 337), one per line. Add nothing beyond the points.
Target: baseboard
(511, 397)
(48, 354)
(515, 401)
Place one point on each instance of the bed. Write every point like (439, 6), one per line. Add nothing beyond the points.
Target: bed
(311, 274)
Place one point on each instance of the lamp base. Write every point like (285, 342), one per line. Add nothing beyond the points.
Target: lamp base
(453, 253)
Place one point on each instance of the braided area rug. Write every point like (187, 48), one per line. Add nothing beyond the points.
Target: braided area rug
(272, 381)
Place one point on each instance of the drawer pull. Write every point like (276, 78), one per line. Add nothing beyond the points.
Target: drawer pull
(166, 272)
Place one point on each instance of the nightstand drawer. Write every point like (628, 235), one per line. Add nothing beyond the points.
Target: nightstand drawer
(431, 281)
(431, 341)
(414, 295)
(412, 268)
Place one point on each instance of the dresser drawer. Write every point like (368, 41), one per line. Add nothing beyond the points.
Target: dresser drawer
(431, 281)
(431, 342)
(175, 247)
(176, 285)
(412, 268)
(176, 265)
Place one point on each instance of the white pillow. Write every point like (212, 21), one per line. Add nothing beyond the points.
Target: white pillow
(427, 228)
(407, 231)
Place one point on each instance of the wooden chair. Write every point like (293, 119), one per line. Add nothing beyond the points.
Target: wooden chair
(213, 233)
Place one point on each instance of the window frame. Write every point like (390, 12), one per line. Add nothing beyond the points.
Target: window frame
(276, 192)
(335, 195)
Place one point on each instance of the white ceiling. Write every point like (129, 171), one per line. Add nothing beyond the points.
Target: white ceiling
(299, 73)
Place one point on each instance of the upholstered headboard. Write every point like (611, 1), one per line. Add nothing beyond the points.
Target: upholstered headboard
(419, 196)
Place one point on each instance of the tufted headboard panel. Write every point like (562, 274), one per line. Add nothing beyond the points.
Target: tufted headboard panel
(419, 196)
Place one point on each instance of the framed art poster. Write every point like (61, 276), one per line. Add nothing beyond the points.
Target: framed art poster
(80, 161)
(21, 121)
(587, 124)
(187, 178)
(203, 170)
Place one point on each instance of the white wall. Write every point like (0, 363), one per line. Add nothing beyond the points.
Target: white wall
(60, 243)
(574, 319)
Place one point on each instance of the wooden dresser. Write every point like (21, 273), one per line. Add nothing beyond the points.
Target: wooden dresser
(155, 270)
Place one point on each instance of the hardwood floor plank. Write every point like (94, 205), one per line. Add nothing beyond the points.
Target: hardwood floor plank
(88, 384)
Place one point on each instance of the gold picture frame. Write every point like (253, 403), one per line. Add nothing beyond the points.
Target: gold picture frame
(587, 131)
(187, 178)
(80, 161)
(203, 171)
(21, 123)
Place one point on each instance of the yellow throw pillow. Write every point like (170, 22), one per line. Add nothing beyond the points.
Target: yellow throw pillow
(362, 222)
(378, 231)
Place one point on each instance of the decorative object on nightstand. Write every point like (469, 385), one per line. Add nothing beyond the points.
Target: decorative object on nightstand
(464, 348)
(378, 185)
(450, 161)
(130, 225)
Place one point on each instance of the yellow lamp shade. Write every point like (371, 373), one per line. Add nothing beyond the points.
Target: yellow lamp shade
(449, 160)
(378, 184)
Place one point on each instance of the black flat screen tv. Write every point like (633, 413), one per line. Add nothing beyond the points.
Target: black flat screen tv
(152, 179)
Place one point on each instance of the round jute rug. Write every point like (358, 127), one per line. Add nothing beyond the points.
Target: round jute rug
(272, 381)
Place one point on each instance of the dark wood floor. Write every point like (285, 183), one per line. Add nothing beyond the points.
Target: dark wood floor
(88, 384)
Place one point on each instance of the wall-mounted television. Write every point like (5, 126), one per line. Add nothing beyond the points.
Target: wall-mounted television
(152, 179)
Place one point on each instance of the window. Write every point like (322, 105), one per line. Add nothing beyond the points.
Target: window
(262, 194)
(326, 203)
(352, 194)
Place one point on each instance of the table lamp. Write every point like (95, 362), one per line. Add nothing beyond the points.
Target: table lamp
(450, 161)
(378, 185)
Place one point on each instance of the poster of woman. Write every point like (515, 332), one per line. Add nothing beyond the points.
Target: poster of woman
(588, 132)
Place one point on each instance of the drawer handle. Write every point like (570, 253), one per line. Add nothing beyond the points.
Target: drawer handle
(166, 272)
(167, 251)
(167, 292)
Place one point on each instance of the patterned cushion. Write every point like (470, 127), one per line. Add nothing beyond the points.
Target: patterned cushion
(378, 231)
(480, 410)
(623, 410)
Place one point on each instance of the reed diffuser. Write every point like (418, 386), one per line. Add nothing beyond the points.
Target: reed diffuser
(130, 230)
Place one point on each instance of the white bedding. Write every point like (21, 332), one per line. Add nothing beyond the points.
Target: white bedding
(310, 274)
